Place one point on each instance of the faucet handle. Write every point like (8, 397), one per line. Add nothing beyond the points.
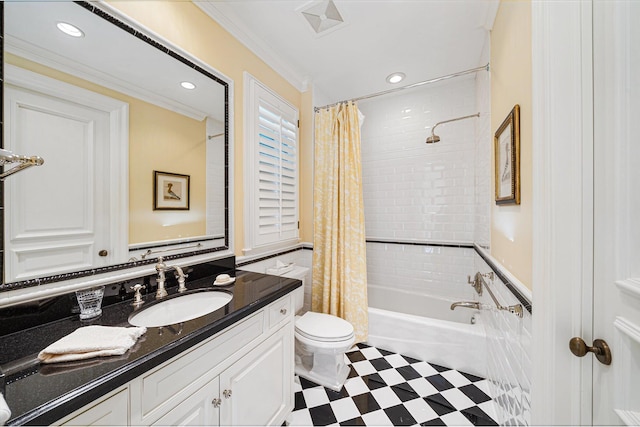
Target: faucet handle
(137, 298)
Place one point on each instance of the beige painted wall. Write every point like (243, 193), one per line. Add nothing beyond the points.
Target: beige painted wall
(159, 139)
(185, 25)
(511, 225)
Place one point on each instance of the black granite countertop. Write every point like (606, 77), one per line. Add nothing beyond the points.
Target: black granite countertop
(40, 394)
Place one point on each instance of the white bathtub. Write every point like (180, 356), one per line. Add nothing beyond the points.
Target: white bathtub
(424, 327)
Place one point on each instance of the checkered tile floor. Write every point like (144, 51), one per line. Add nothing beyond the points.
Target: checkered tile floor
(386, 388)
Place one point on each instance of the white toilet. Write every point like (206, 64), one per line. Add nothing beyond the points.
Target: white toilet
(321, 342)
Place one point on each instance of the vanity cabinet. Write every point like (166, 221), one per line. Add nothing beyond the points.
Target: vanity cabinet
(111, 410)
(258, 389)
(255, 390)
(241, 376)
(202, 408)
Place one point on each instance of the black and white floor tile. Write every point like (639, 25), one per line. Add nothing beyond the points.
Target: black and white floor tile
(388, 389)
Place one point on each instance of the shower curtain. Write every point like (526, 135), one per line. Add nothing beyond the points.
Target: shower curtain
(339, 249)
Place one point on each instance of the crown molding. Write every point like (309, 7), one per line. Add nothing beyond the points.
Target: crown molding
(223, 15)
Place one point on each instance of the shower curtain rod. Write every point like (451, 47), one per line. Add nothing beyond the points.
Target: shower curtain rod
(397, 89)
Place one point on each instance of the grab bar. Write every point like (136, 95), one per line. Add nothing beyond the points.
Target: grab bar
(479, 283)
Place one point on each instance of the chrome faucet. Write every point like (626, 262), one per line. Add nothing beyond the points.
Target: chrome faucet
(466, 304)
(161, 268)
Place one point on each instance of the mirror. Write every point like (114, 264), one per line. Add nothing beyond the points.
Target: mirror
(135, 164)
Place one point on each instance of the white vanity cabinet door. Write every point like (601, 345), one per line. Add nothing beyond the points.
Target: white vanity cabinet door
(110, 411)
(199, 409)
(258, 388)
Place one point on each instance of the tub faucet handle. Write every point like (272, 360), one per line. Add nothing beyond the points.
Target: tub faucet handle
(476, 282)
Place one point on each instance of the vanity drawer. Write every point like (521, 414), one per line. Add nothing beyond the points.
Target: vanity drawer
(280, 311)
(181, 376)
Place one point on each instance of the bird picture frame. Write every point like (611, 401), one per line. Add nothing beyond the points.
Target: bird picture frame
(170, 191)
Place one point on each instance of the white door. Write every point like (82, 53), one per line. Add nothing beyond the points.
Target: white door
(61, 216)
(616, 126)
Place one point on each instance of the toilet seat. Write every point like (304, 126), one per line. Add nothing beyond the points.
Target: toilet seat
(322, 327)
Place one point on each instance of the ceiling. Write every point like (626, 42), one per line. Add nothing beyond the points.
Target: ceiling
(424, 39)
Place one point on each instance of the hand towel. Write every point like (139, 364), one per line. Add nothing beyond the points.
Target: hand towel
(280, 268)
(91, 341)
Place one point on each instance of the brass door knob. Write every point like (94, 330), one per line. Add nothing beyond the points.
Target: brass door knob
(600, 349)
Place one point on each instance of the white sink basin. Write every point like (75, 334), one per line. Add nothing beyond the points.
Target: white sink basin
(180, 309)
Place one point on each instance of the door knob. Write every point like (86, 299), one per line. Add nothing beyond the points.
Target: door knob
(103, 253)
(226, 394)
(600, 349)
(216, 402)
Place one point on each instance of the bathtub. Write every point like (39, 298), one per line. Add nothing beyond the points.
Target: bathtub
(424, 327)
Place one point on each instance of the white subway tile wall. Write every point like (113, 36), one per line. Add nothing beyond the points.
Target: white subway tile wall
(423, 270)
(215, 189)
(509, 350)
(483, 162)
(414, 190)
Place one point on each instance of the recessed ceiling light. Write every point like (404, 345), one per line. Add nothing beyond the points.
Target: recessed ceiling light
(69, 29)
(188, 85)
(395, 78)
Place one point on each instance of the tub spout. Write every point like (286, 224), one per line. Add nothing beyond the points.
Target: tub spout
(466, 304)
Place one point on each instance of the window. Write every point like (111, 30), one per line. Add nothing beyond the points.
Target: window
(271, 169)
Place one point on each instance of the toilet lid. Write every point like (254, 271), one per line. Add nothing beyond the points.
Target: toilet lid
(323, 327)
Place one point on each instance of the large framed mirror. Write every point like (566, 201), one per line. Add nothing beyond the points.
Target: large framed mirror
(135, 140)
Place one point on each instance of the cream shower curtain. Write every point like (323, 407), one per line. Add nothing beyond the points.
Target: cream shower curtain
(339, 248)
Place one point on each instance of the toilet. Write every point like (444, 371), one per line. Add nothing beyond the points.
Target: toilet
(321, 340)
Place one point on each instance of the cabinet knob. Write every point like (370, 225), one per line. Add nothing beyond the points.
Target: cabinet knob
(227, 394)
(103, 252)
(283, 311)
(216, 402)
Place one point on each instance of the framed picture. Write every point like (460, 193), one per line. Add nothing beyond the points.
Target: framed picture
(170, 191)
(507, 159)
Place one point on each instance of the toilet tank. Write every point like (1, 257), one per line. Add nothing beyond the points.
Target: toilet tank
(303, 293)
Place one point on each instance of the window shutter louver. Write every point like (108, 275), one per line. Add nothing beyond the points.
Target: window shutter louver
(276, 176)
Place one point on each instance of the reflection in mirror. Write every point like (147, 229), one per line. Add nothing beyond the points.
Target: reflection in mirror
(106, 109)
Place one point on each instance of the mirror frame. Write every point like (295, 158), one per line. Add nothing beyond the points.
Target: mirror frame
(165, 46)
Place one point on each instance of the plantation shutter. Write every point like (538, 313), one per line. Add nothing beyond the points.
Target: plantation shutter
(276, 170)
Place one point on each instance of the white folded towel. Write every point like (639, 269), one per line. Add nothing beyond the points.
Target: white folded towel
(280, 268)
(91, 341)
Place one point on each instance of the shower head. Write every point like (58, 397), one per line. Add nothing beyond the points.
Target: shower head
(435, 138)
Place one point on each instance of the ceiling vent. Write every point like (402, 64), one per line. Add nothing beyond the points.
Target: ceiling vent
(322, 16)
